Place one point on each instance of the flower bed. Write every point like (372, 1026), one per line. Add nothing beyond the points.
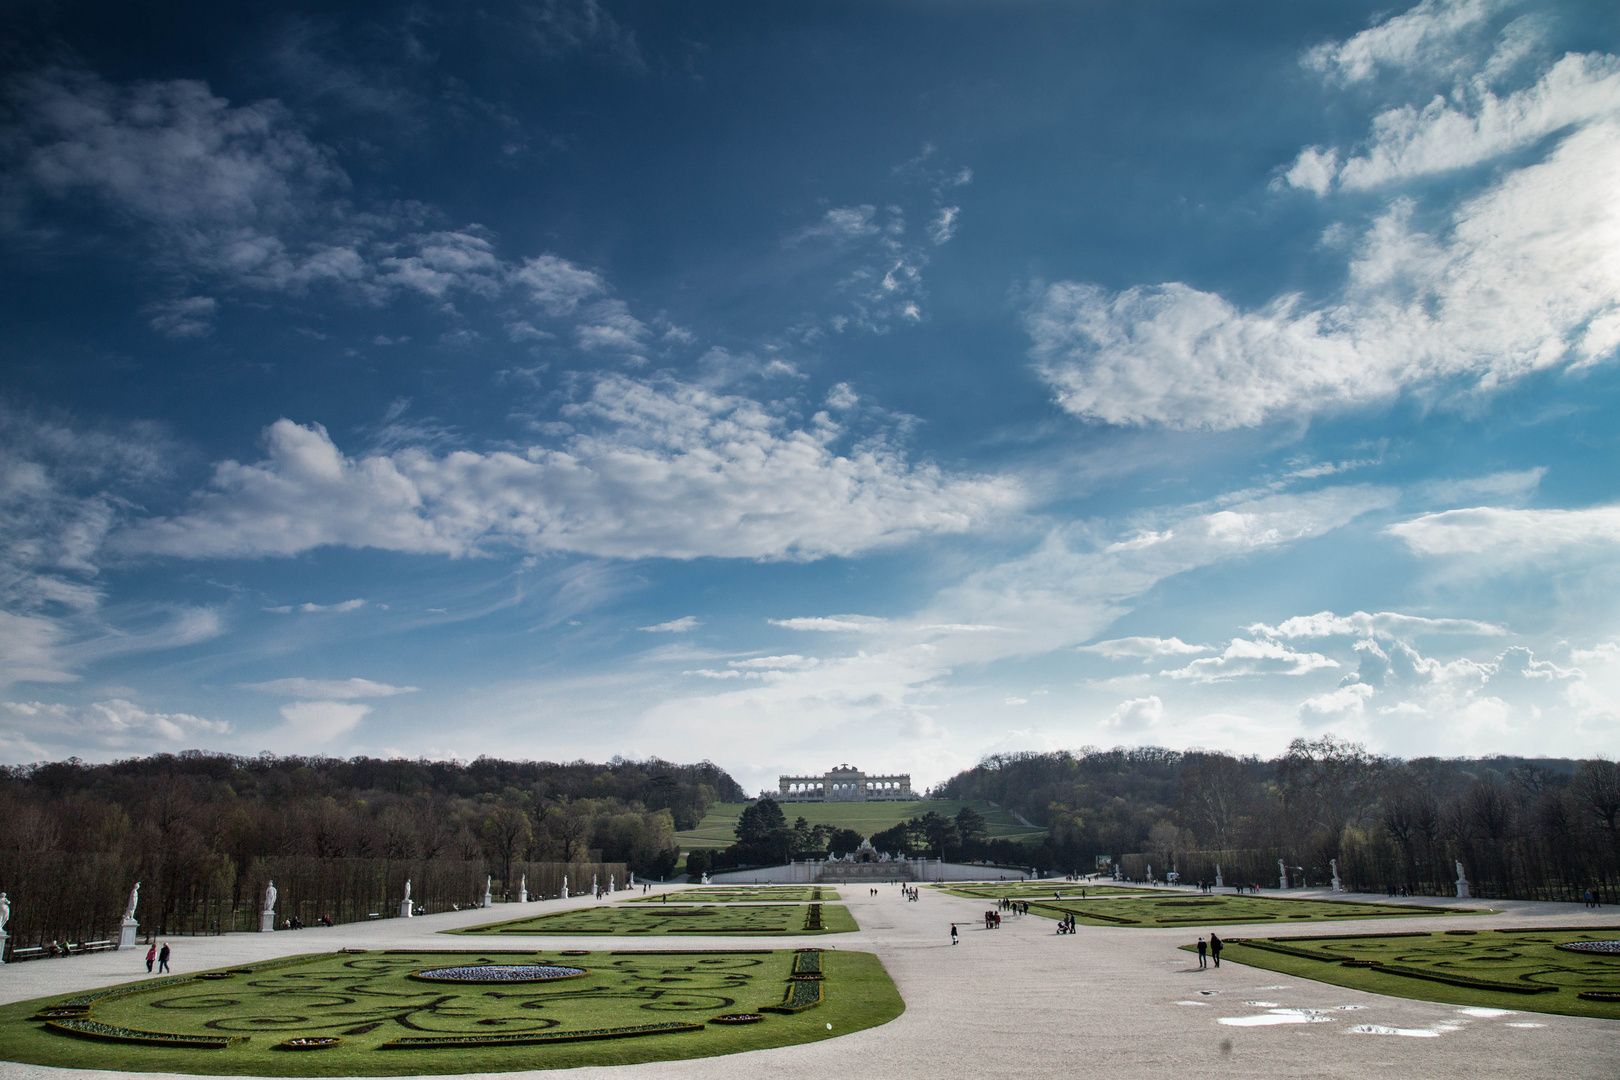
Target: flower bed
(86, 1028)
(498, 973)
(311, 1042)
(414, 1042)
(1602, 948)
(737, 1018)
(801, 994)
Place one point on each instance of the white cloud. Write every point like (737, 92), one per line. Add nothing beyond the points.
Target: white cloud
(675, 626)
(608, 324)
(789, 662)
(442, 261)
(943, 227)
(841, 223)
(320, 722)
(555, 284)
(1448, 133)
(675, 471)
(1244, 657)
(1385, 624)
(1143, 648)
(1520, 484)
(858, 624)
(187, 317)
(1510, 534)
(1427, 37)
(1524, 280)
(1137, 714)
(340, 689)
(35, 729)
(310, 609)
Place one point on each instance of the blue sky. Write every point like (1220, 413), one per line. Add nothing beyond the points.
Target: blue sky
(799, 383)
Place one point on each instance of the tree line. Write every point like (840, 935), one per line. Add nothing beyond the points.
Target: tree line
(1529, 828)
(204, 832)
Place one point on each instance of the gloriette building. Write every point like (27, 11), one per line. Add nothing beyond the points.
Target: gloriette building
(846, 784)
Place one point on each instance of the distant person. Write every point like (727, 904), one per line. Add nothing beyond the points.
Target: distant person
(1215, 947)
(953, 933)
(163, 959)
(1203, 954)
(151, 958)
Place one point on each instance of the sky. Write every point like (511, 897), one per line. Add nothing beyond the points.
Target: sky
(792, 384)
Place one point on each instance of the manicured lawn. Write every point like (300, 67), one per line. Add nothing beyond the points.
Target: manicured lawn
(1503, 969)
(1195, 909)
(369, 1000)
(717, 829)
(1032, 890)
(741, 894)
(678, 919)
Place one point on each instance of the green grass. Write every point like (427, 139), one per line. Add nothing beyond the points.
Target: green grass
(675, 919)
(1197, 909)
(717, 829)
(368, 1000)
(741, 894)
(1411, 966)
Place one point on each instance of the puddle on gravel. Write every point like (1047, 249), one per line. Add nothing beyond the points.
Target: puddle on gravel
(1488, 1014)
(1262, 1004)
(1200, 1004)
(1347, 1008)
(1381, 1029)
(1277, 1016)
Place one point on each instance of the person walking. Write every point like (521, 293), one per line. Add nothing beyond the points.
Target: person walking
(151, 955)
(163, 959)
(953, 933)
(1203, 954)
(1215, 946)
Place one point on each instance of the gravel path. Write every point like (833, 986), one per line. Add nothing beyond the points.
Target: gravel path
(1022, 1001)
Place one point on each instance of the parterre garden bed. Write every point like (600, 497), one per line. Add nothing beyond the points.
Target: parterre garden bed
(680, 919)
(372, 1014)
(1031, 890)
(739, 894)
(1506, 969)
(1197, 909)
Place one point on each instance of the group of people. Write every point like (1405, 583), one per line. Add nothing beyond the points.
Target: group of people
(1067, 924)
(158, 956)
(910, 893)
(1017, 907)
(992, 920)
(1592, 900)
(1207, 949)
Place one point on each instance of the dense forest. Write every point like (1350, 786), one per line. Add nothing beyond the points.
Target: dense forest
(1533, 828)
(205, 832)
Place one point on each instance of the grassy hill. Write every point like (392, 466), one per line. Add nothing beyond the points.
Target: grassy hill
(716, 830)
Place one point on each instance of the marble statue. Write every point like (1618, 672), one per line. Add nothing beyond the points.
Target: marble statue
(134, 898)
(267, 917)
(1338, 886)
(406, 910)
(5, 911)
(596, 889)
(1462, 882)
(489, 880)
(523, 889)
(610, 883)
(407, 888)
(1282, 875)
(565, 887)
(705, 877)
(1219, 883)
(1150, 873)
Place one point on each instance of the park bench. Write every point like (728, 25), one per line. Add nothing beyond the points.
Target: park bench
(96, 946)
(33, 952)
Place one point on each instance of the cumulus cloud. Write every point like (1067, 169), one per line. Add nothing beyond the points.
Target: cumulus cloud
(1244, 657)
(1511, 534)
(1137, 714)
(841, 223)
(320, 722)
(675, 626)
(556, 285)
(337, 689)
(1523, 280)
(1384, 624)
(187, 317)
(1517, 276)
(669, 470)
(41, 729)
(1145, 649)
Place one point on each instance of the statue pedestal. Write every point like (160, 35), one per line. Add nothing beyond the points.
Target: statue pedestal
(405, 911)
(1462, 890)
(488, 900)
(267, 921)
(523, 896)
(127, 933)
(4, 937)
